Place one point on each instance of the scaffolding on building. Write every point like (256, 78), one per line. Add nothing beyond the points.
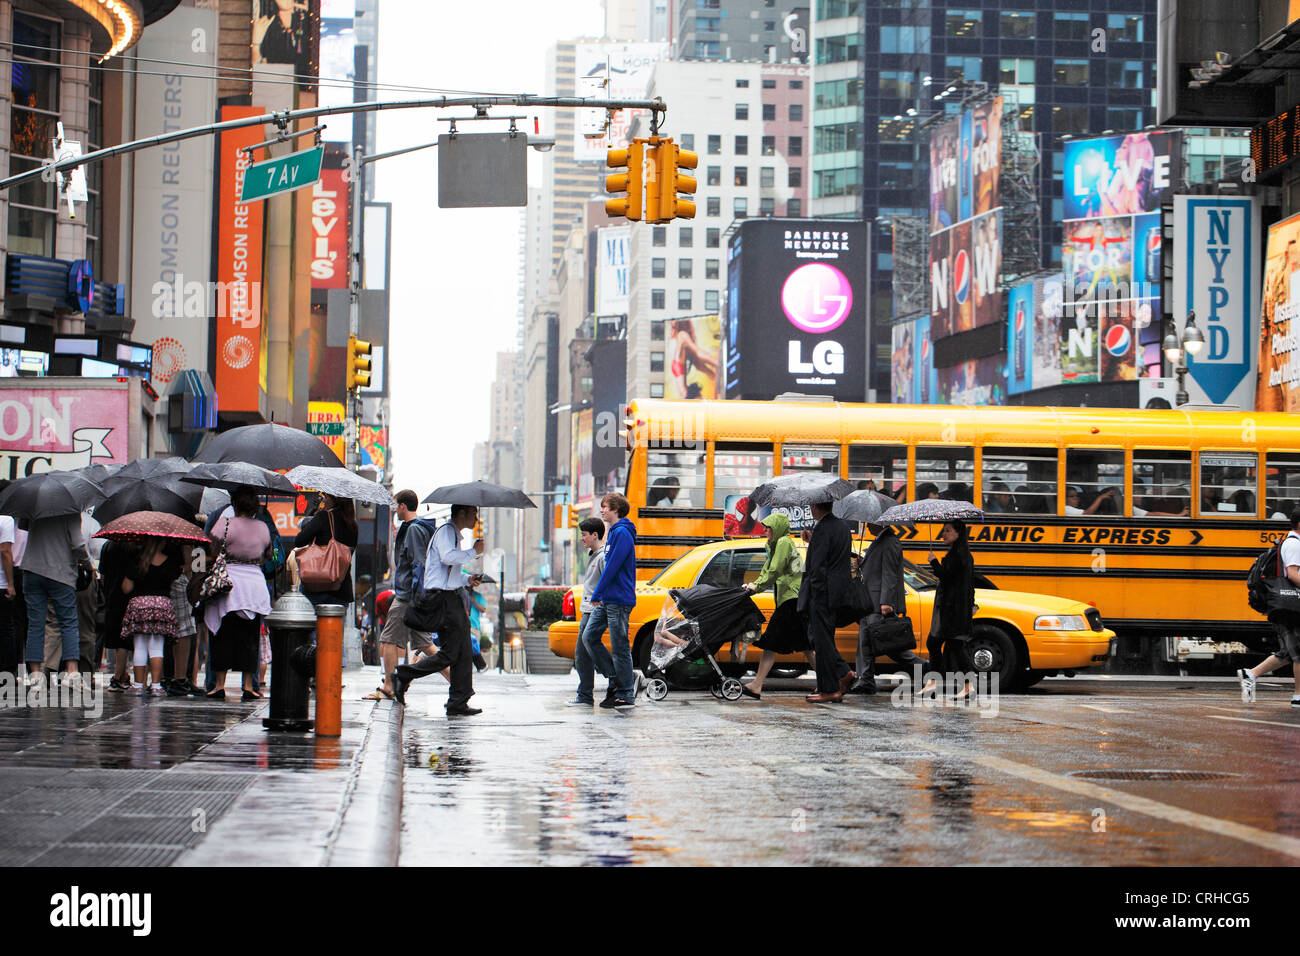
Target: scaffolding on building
(911, 279)
(1022, 252)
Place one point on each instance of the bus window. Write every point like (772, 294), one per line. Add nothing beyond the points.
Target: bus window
(1228, 483)
(739, 468)
(1019, 480)
(674, 479)
(819, 458)
(884, 466)
(946, 470)
(1162, 483)
(1094, 480)
(1281, 486)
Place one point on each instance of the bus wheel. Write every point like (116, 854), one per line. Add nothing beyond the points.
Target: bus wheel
(991, 651)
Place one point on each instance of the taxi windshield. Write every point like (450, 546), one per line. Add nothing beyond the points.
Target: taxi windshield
(918, 578)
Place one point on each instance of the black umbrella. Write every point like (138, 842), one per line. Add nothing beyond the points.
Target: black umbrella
(482, 494)
(271, 446)
(232, 475)
(173, 497)
(97, 472)
(151, 468)
(931, 511)
(50, 495)
(865, 506)
(801, 488)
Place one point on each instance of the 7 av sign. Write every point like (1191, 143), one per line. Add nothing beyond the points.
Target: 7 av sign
(282, 174)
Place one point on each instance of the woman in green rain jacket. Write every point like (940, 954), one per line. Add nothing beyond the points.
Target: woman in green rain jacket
(787, 631)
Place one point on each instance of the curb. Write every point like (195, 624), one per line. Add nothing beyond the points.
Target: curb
(369, 825)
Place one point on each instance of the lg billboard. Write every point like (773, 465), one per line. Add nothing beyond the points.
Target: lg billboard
(797, 309)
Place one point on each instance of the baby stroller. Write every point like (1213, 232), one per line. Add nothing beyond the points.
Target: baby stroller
(695, 623)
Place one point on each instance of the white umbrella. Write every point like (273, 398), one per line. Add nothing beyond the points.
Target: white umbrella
(340, 483)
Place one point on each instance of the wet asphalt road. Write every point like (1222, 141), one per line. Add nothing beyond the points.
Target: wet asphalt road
(1061, 775)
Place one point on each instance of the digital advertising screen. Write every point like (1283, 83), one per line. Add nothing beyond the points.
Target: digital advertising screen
(1121, 175)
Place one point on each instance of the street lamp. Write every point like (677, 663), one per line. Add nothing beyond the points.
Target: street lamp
(1176, 349)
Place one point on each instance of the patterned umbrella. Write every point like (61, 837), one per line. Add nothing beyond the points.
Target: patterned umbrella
(232, 475)
(340, 483)
(801, 488)
(865, 506)
(51, 494)
(931, 511)
(271, 446)
(152, 524)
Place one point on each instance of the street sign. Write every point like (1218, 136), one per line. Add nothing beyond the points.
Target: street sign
(326, 428)
(282, 174)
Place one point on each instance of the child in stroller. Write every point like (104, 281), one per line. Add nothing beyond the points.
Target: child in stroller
(694, 625)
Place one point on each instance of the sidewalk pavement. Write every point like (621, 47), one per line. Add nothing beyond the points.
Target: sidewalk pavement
(120, 780)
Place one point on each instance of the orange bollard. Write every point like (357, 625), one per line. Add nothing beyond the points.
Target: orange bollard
(329, 670)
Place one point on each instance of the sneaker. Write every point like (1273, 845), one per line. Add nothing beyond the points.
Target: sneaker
(157, 690)
(579, 702)
(116, 686)
(624, 704)
(611, 694)
(1249, 683)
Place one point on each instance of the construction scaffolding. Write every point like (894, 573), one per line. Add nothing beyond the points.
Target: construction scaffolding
(911, 279)
(1022, 251)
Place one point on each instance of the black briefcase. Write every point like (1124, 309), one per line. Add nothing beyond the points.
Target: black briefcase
(891, 635)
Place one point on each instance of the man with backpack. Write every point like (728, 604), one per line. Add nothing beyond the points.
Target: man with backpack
(412, 541)
(1285, 622)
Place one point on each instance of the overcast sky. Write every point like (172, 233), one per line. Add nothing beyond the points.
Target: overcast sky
(455, 272)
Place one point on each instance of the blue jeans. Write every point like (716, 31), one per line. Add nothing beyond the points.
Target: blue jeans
(38, 591)
(616, 616)
(588, 658)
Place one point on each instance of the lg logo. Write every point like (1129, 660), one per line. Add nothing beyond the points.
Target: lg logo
(827, 358)
(816, 298)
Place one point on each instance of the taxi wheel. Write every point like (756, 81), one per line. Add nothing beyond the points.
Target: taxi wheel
(1030, 678)
(992, 651)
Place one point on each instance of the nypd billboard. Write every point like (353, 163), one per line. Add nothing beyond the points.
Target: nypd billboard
(1217, 276)
(797, 309)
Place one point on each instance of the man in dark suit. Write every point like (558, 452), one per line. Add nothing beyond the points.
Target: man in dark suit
(882, 569)
(825, 588)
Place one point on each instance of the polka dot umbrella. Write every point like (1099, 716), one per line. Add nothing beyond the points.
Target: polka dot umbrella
(152, 524)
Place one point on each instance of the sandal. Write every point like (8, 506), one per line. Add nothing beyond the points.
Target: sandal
(379, 694)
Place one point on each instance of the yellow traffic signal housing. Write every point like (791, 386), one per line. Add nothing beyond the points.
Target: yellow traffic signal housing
(575, 519)
(629, 186)
(358, 363)
(651, 177)
(558, 516)
(478, 528)
(670, 159)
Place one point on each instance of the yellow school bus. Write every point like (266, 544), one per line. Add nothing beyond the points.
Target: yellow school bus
(1153, 516)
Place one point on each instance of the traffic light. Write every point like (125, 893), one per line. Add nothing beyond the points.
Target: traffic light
(358, 363)
(558, 516)
(478, 528)
(575, 519)
(628, 186)
(669, 159)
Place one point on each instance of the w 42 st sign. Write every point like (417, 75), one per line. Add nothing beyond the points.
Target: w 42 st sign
(282, 174)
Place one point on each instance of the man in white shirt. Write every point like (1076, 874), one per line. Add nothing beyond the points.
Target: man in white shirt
(1286, 625)
(442, 583)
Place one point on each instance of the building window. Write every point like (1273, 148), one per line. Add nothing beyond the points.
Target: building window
(794, 208)
(767, 206)
(767, 177)
(794, 177)
(656, 298)
(1016, 70)
(742, 111)
(657, 358)
(742, 146)
(713, 176)
(34, 86)
(1019, 26)
(715, 145)
(685, 237)
(1070, 72)
(710, 300)
(740, 207)
(769, 53)
(796, 84)
(962, 23)
(657, 330)
(1121, 119)
(656, 389)
(742, 84)
(842, 49)
(769, 84)
(796, 146)
(1124, 26)
(962, 68)
(908, 39)
(769, 145)
(768, 27)
(712, 238)
(707, 49)
(713, 206)
(660, 236)
(796, 112)
(683, 299)
(684, 268)
(835, 93)
(657, 268)
(1071, 26)
(742, 176)
(688, 140)
(769, 112)
(836, 182)
(837, 137)
(1070, 119)
(1124, 74)
(710, 268)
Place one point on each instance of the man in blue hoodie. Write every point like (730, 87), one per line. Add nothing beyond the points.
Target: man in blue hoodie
(615, 594)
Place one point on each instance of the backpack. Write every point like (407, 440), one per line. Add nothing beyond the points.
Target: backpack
(1267, 565)
(417, 564)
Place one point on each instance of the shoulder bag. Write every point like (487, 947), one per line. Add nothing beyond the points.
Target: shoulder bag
(323, 568)
(218, 580)
(891, 635)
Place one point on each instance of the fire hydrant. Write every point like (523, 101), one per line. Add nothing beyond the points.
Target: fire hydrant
(290, 623)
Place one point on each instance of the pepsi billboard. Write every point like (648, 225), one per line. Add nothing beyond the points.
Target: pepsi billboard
(797, 309)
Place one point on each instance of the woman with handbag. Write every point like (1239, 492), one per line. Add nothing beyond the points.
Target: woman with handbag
(950, 625)
(786, 631)
(324, 548)
(236, 594)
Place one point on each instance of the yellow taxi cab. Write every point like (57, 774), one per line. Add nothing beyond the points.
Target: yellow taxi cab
(1022, 637)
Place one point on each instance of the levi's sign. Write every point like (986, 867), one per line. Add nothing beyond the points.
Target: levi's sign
(282, 174)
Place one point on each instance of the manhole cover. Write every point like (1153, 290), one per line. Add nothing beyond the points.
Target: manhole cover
(1151, 774)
